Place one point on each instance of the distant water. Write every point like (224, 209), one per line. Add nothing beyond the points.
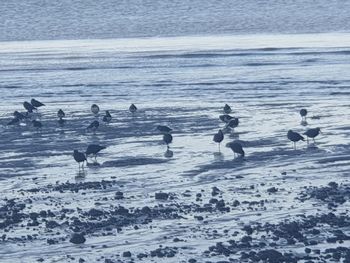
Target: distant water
(91, 19)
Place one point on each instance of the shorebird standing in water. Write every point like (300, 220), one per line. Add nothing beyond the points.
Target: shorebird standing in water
(132, 109)
(79, 157)
(236, 147)
(294, 137)
(303, 113)
(164, 129)
(312, 133)
(232, 124)
(227, 109)
(94, 149)
(95, 109)
(29, 107)
(218, 137)
(168, 138)
(107, 117)
(36, 103)
(225, 118)
(61, 114)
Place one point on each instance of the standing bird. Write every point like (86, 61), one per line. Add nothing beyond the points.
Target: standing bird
(132, 108)
(29, 107)
(164, 129)
(294, 137)
(218, 138)
(61, 114)
(167, 138)
(94, 149)
(227, 109)
(107, 118)
(95, 109)
(79, 157)
(312, 133)
(236, 147)
(36, 103)
(303, 113)
(93, 126)
(225, 118)
(37, 124)
(233, 123)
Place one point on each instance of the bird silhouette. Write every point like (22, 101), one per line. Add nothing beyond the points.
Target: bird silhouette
(225, 118)
(95, 109)
(232, 123)
(312, 133)
(29, 107)
(132, 108)
(294, 137)
(167, 138)
(218, 137)
(36, 103)
(107, 117)
(236, 147)
(94, 149)
(79, 157)
(303, 113)
(227, 109)
(164, 129)
(61, 114)
(93, 126)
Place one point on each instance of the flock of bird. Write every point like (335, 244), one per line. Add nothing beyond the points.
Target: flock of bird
(93, 149)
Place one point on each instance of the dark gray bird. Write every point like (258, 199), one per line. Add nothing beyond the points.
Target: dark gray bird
(132, 108)
(312, 133)
(227, 109)
(107, 118)
(95, 109)
(94, 149)
(167, 138)
(93, 126)
(294, 137)
(36, 103)
(236, 147)
(19, 115)
(303, 113)
(29, 107)
(164, 129)
(37, 124)
(14, 121)
(61, 114)
(79, 157)
(225, 118)
(233, 123)
(218, 137)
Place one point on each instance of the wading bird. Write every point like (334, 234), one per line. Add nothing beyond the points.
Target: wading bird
(227, 109)
(95, 109)
(79, 157)
(218, 137)
(36, 103)
(167, 138)
(236, 147)
(61, 114)
(303, 113)
(107, 117)
(93, 126)
(312, 133)
(294, 137)
(132, 108)
(29, 107)
(94, 149)
(164, 129)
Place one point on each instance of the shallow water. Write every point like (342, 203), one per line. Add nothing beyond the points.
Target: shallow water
(182, 83)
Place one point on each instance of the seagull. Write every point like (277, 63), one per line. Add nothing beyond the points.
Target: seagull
(61, 114)
(94, 149)
(236, 147)
(29, 107)
(233, 123)
(303, 113)
(227, 109)
(107, 118)
(218, 138)
(167, 138)
(37, 124)
(93, 126)
(36, 103)
(312, 133)
(95, 109)
(164, 129)
(225, 118)
(294, 137)
(14, 121)
(79, 157)
(132, 108)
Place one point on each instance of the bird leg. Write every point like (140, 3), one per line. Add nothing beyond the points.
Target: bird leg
(295, 145)
(219, 147)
